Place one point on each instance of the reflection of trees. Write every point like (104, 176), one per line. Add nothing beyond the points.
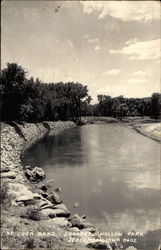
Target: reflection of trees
(59, 150)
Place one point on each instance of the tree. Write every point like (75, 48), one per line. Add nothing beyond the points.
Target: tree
(156, 105)
(12, 84)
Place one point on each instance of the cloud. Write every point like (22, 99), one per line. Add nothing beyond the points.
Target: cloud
(86, 36)
(112, 72)
(140, 73)
(124, 10)
(131, 41)
(97, 48)
(93, 40)
(146, 50)
(70, 43)
(137, 80)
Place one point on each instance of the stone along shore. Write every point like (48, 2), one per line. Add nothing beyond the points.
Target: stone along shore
(33, 212)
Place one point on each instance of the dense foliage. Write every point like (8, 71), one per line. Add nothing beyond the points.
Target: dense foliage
(31, 100)
(121, 107)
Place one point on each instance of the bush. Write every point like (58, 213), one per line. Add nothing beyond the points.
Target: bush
(32, 213)
(5, 199)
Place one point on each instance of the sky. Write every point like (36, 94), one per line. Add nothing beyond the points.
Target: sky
(113, 47)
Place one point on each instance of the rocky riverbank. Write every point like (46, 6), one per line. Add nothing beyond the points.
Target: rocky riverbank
(33, 216)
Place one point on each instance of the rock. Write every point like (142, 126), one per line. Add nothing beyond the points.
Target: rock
(44, 187)
(45, 204)
(74, 229)
(35, 175)
(54, 198)
(28, 199)
(28, 167)
(54, 213)
(131, 248)
(89, 229)
(58, 189)
(99, 245)
(28, 173)
(44, 194)
(4, 169)
(60, 213)
(38, 173)
(10, 175)
(87, 224)
(76, 221)
(116, 246)
(76, 204)
(61, 206)
(62, 222)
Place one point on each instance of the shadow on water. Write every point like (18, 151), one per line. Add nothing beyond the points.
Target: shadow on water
(53, 146)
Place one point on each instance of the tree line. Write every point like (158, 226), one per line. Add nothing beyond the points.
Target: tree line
(30, 100)
(124, 107)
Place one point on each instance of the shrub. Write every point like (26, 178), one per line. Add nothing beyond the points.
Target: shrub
(32, 213)
(5, 199)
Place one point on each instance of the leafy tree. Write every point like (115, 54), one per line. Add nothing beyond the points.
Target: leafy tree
(31, 100)
(12, 84)
(156, 105)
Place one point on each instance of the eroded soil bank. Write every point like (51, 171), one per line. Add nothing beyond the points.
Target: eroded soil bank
(33, 217)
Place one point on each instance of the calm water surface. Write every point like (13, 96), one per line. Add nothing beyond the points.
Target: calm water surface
(109, 169)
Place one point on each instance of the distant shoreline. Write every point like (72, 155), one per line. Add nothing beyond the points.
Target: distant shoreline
(145, 126)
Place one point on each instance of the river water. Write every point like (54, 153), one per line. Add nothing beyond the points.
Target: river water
(111, 170)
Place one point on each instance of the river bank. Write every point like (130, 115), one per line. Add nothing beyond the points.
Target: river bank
(151, 130)
(33, 217)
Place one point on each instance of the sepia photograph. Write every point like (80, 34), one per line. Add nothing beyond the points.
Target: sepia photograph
(80, 116)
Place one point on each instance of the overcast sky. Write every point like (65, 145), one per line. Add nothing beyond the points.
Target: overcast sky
(112, 47)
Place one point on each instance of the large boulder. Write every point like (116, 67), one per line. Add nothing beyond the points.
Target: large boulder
(77, 221)
(44, 194)
(60, 221)
(52, 213)
(38, 173)
(54, 198)
(44, 204)
(61, 206)
(28, 198)
(35, 175)
(99, 245)
(9, 175)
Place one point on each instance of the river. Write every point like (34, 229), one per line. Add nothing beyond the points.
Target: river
(111, 170)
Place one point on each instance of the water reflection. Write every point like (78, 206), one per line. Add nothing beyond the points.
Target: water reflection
(110, 170)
